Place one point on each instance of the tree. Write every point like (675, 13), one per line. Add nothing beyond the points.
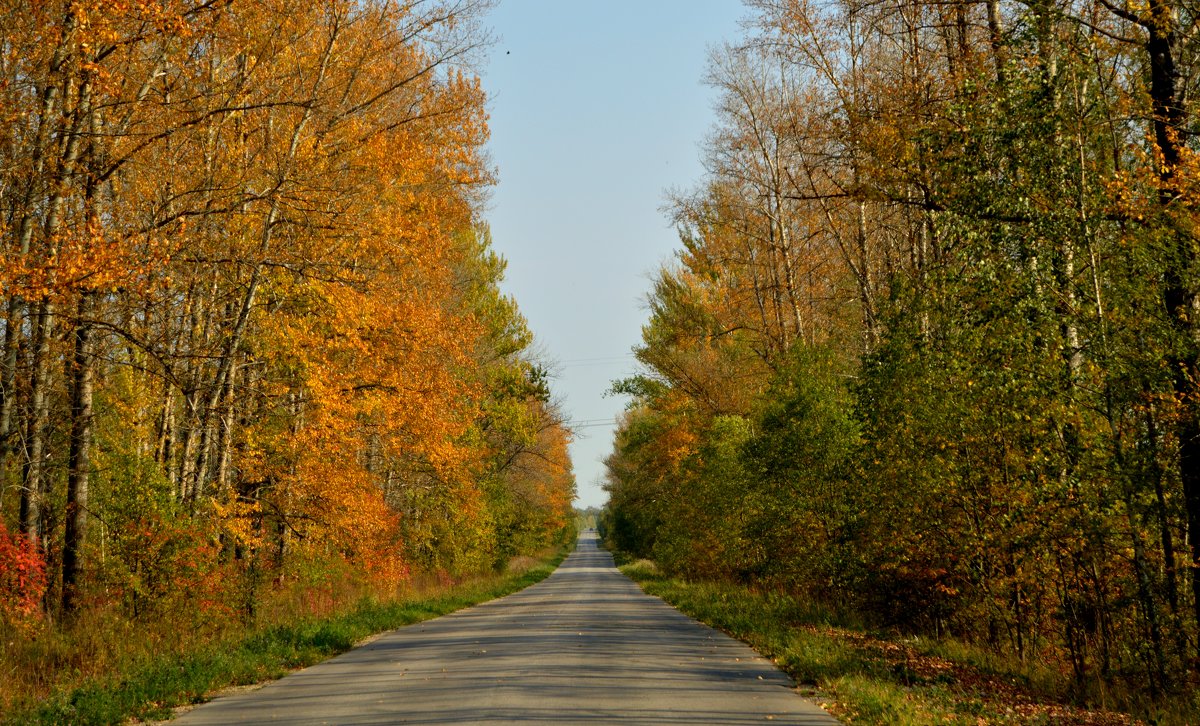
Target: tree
(982, 421)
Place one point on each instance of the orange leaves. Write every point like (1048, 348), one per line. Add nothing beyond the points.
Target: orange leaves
(268, 196)
(370, 336)
(83, 259)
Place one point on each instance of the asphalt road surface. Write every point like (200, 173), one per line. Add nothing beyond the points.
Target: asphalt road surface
(584, 646)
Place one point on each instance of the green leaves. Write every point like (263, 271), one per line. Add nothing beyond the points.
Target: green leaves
(926, 347)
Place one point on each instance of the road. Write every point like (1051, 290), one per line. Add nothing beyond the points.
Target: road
(584, 646)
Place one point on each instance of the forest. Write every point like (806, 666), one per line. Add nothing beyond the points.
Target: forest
(254, 345)
(929, 350)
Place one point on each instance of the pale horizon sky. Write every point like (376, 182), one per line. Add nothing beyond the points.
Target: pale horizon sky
(597, 110)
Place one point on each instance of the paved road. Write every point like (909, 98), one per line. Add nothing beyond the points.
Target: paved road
(585, 646)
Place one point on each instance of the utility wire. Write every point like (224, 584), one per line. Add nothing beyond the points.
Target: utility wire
(600, 359)
(591, 423)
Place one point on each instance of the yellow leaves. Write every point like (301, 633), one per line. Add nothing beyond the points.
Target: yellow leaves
(385, 369)
(268, 201)
(238, 519)
(81, 259)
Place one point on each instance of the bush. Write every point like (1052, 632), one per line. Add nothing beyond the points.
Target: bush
(22, 579)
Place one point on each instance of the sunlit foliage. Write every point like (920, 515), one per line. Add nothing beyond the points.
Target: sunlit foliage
(929, 350)
(253, 337)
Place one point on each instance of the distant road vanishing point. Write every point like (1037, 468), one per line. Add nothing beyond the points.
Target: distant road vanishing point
(585, 646)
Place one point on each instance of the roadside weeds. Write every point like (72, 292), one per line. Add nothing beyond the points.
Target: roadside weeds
(153, 689)
(868, 678)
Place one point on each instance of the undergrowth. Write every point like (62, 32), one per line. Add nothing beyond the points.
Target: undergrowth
(863, 677)
(147, 683)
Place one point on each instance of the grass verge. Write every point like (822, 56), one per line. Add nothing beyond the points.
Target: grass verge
(866, 678)
(151, 689)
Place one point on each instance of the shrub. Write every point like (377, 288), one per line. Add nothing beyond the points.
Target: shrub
(22, 579)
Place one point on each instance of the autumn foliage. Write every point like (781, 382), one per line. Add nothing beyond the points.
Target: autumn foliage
(22, 579)
(253, 337)
(929, 350)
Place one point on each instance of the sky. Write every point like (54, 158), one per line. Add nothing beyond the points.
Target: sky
(597, 111)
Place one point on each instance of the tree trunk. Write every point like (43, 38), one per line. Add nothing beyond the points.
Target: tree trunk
(8, 382)
(31, 515)
(225, 430)
(79, 455)
(1179, 296)
(38, 424)
(996, 38)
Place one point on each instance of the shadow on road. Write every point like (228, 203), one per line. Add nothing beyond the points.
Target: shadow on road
(583, 646)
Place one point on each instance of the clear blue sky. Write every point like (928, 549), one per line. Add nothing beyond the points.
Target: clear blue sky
(597, 109)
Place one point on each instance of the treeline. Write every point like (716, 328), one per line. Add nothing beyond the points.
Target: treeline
(253, 338)
(929, 350)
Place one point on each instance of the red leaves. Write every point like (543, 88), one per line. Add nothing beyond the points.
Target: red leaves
(22, 578)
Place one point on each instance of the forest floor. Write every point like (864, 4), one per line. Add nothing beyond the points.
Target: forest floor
(863, 677)
(147, 682)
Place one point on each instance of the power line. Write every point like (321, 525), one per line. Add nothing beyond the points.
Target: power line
(591, 423)
(590, 362)
(600, 359)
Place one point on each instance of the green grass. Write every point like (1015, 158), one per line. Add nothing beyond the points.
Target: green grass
(870, 678)
(151, 690)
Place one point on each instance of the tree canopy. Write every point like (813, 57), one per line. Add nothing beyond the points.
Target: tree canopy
(253, 333)
(929, 347)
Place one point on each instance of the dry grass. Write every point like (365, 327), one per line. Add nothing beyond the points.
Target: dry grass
(104, 668)
(864, 677)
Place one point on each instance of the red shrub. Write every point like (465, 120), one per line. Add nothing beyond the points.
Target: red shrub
(22, 578)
